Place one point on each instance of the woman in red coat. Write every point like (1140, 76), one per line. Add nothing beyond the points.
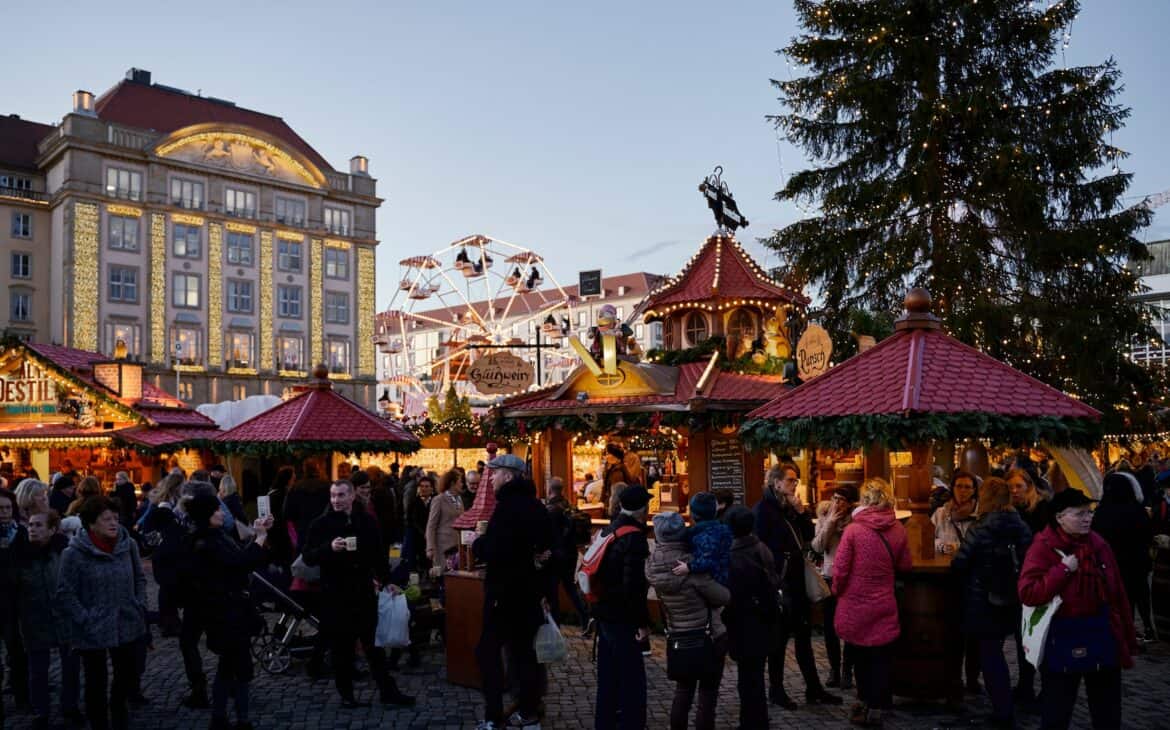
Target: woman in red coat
(1092, 634)
(872, 551)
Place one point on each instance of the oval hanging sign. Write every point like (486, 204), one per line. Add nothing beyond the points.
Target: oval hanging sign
(813, 352)
(501, 373)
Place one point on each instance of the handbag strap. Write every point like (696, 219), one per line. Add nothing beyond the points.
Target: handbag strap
(889, 550)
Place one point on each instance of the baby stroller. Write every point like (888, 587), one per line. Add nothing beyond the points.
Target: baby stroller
(285, 621)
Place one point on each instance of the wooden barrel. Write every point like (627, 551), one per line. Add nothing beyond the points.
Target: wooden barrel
(928, 611)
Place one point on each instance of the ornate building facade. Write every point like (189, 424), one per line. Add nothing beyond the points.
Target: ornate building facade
(211, 240)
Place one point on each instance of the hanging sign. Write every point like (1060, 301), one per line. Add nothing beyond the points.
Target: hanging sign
(501, 373)
(813, 352)
(25, 388)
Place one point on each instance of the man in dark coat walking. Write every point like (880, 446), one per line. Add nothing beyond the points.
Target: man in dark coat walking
(518, 537)
(785, 526)
(347, 544)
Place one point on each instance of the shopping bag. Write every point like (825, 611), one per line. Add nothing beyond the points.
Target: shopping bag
(1036, 621)
(550, 645)
(393, 621)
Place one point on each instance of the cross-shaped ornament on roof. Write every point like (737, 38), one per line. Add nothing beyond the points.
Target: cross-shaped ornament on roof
(719, 200)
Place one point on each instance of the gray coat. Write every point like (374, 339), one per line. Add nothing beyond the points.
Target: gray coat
(43, 622)
(104, 595)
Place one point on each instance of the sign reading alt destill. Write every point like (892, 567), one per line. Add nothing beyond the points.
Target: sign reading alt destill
(25, 388)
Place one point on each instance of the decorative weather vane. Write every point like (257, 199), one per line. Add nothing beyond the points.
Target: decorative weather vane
(721, 203)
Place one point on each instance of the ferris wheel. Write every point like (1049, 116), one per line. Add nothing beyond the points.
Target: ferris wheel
(463, 300)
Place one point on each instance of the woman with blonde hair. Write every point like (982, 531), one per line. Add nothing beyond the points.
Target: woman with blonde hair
(229, 496)
(872, 552)
(32, 498)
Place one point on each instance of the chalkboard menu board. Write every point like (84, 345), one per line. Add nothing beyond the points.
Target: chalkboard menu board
(589, 283)
(725, 465)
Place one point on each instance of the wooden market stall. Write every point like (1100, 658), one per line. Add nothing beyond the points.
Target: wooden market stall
(899, 406)
(63, 408)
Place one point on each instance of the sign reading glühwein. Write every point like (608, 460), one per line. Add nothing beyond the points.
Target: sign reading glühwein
(501, 373)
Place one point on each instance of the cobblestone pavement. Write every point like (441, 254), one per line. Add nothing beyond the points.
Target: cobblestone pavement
(294, 702)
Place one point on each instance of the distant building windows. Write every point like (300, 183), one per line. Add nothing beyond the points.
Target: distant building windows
(288, 255)
(337, 221)
(185, 289)
(239, 203)
(21, 265)
(288, 301)
(12, 182)
(695, 328)
(125, 184)
(239, 248)
(123, 284)
(336, 307)
(22, 225)
(20, 306)
(128, 332)
(239, 296)
(290, 212)
(187, 345)
(339, 356)
(186, 193)
(239, 349)
(123, 232)
(186, 391)
(336, 263)
(188, 241)
(239, 391)
(291, 352)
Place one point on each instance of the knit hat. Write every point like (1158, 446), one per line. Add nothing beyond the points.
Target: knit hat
(704, 506)
(201, 507)
(1068, 499)
(634, 498)
(848, 491)
(741, 520)
(669, 527)
(615, 451)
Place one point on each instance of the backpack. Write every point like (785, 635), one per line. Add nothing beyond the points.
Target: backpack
(591, 563)
(1004, 576)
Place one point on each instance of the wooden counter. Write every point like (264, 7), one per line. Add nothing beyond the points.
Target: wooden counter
(929, 611)
(464, 626)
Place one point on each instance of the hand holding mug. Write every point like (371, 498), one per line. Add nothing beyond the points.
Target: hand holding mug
(338, 545)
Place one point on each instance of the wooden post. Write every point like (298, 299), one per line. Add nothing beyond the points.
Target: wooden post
(919, 528)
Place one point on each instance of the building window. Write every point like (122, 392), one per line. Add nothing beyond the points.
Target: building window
(621, 313)
(239, 296)
(185, 290)
(241, 203)
(125, 184)
(336, 263)
(695, 328)
(186, 391)
(21, 266)
(337, 221)
(126, 332)
(336, 307)
(239, 349)
(186, 193)
(582, 320)
(239, 248)
(188, 240)
(741, 325)
(290, 212)
(639, 332)
(15, 183)
(22, 225)
(123, 284)
(339, 356)
(123, 233)
(288, 301)
(187, 345)
(291, 352)
(656, 333)
(288, 255)
(239, 391)
(20, 306)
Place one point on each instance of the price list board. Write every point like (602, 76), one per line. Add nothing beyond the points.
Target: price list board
(725, 466)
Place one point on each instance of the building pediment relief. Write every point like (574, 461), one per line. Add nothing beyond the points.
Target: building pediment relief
(240, 150)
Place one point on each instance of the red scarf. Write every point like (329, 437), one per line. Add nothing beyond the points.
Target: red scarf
(105, 544)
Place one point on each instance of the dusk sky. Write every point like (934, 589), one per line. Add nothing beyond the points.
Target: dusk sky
(580, 131)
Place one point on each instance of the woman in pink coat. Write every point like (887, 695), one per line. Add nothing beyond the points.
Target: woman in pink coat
(872, 551)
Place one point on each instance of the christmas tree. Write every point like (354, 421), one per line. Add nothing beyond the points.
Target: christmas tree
(954, 150)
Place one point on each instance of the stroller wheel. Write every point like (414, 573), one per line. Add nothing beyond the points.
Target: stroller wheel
(261, 643)
(275, 659)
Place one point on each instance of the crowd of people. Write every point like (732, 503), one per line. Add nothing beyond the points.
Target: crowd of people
(736, 582)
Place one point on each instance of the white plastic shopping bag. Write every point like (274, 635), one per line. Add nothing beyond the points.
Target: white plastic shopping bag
(1034, 629)
(393, 621)
(550, 645)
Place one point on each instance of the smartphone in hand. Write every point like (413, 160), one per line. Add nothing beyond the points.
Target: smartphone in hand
(263, 508)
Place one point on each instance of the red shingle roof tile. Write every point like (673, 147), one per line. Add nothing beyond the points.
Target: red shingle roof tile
(923, 371)
(18, 141)
(318, 415)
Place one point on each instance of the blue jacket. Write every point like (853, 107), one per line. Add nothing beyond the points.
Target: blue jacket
(710, 544)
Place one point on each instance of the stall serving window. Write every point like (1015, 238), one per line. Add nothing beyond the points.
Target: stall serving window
(695, 328)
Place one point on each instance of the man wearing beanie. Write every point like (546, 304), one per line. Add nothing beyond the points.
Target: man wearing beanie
(709, 540)
(623, 619)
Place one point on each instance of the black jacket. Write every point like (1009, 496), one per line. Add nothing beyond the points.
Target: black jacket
(622, 576)
(347, 578)
(564, 548)
(127, 503)
(1126, 526)
(11, 554)
(519, 529)
(388, 506)
(307, 500)
(753, 616)
(59, 501)
(1039, 518)
(777, 527)
(217, 569)
(988, 573)
(164, 532)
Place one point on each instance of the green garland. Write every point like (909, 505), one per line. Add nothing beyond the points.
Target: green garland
(292, 449)
(898, 431)
(610, 423)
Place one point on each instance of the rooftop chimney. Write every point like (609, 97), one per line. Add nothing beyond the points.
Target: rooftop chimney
(359, 165)
(83, 103)
(138, 75)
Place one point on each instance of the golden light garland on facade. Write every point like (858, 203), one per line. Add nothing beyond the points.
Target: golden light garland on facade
(340, 376)
(215, 295)
(60, 442)
(158, 288)
(721, 306)
(291, 373)
(267, 346)
(291, 236)
(317, 180)
(125, 210)
(190, 368)
(243, 371)
(85, 282)
(185, 219)
(366, 270)
(334, 243)
(239, 227)
(316, 303)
